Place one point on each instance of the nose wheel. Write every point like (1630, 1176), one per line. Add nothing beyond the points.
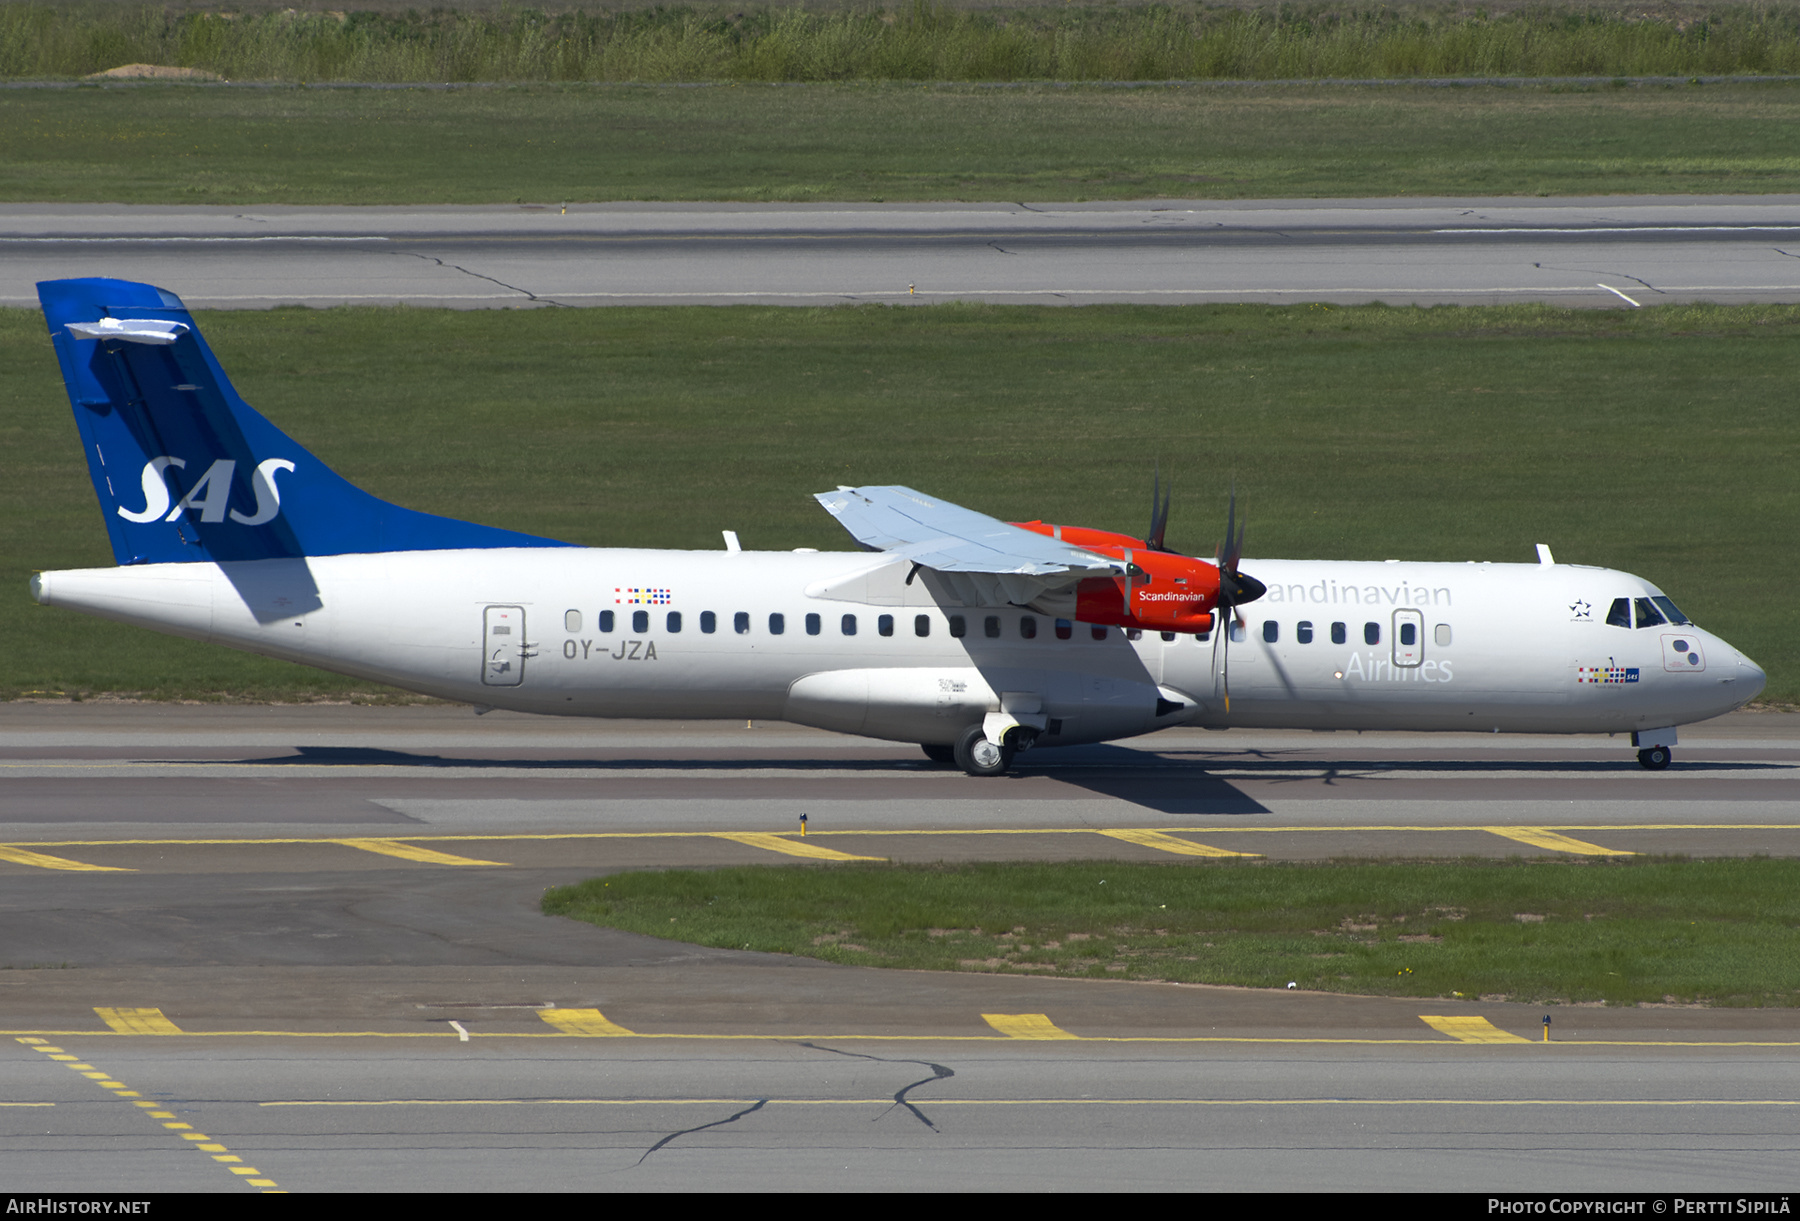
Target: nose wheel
(1654, 758)
(980, 757)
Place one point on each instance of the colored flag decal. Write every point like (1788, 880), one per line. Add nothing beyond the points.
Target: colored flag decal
(1611, 673)
(632, 595)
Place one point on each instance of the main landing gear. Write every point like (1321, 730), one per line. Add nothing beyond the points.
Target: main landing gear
(1655, 758)
(980, 757)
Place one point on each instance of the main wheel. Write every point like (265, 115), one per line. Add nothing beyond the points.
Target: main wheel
(1654, 758)
(980, 757)
(939, 752)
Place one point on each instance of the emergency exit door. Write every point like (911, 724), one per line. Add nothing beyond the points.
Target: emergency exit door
(504, 646)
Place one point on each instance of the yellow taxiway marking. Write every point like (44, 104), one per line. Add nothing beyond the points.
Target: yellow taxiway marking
(790, 1036)
(1543, 837)
(583, 1021)
(787, 837)
(137, 1021)
(1042, 1102)
(1169, 843)
(1026, 1026)
(1471, 1029)
(787, 845)
(25, 856)
(409, 852)
(145, 1021)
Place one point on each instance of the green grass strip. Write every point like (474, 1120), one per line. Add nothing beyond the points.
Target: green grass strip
(1660, 441)
(172, 144)
(1718, 932)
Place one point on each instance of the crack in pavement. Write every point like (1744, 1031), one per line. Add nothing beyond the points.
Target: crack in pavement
(938, 1073)
(717, 1123)
(1788, 253)
(1000, 248)
(1595, 271)
(478, 275)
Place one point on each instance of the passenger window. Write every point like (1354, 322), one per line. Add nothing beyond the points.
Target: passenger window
(1442, 632)
(1619, 614)
(640, 621)
(959, 627)
(777, 623)
(1203, 637)
(1647, 614)
(1271, 631)
(1132, 633)
(571, 621)
(1027, 627)
(709, 622)
(1168, 637)
(674, 621)
(1065, 630)
(1237, 633)
(885, 625)
(1371, 633)
(1409, 634)
(1339, 633)
(813, 624)
(1099, 633)
(1303, 631)
(740, 623)
(847, 625)
(606, 621)
(921, 625)
(990, 627)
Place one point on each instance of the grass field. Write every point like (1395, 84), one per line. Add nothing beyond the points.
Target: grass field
(913, 40)
(1660, 441)
(1723, 932)
(173, 144)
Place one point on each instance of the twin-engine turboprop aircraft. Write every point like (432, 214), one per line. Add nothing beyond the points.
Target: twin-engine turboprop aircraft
(973, 637)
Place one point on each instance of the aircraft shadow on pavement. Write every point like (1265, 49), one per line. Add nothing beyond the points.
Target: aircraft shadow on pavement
(1170, 782)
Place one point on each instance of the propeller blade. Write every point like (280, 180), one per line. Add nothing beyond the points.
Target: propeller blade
(1159, 512)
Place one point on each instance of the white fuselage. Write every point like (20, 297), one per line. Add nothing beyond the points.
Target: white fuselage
(622, 633)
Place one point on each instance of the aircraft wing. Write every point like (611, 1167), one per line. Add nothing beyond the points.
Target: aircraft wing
(985, 559)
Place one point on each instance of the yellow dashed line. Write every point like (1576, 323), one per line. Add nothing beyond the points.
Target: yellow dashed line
(787, 846)
(410, 852)
(1169, 843)
(145, 1021)
(1543, 837)
(1471, 1029)
(583, 1021)
(137, 1021)
(24, 856)
(1026, 1026)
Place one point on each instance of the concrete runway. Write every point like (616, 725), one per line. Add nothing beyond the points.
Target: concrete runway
(1583, 252)
(299, 949)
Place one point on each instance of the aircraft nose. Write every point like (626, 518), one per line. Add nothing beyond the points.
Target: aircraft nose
(1752, 677)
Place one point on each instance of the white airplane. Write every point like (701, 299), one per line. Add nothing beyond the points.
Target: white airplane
(970, 636)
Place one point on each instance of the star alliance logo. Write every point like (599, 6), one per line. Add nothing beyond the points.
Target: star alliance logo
(1581, 610)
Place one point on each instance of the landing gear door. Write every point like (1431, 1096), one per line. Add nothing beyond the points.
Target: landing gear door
(1409, 638)
(503, 646)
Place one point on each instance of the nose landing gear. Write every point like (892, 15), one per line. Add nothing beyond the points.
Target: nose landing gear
(1654, 758)
(1653, 747)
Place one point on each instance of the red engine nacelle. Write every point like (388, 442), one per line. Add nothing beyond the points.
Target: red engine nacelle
(1161, 591)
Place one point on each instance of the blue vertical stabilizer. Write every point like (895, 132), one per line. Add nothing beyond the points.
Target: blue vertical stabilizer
(188, 471)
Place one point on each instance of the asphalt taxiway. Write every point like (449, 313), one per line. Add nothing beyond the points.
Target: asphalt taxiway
(299, 949)
(1612, 251)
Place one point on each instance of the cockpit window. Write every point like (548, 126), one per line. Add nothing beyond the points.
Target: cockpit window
(1670, 609)
(1647, 614)
(1619, 614)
